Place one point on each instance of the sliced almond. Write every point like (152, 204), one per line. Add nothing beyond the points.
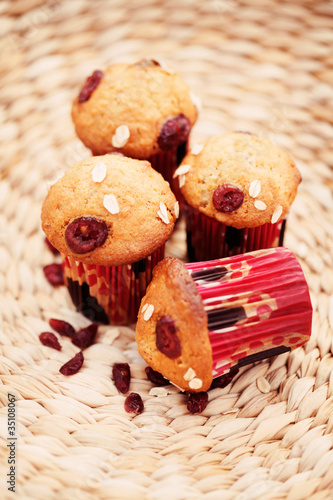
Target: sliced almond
(121, 136)
(182, 179)
(176, 209)
(148, 312)
(276, 214)
(183, 169)
(260, 205)
(255, 188)
(189, 375)
(99, 172)
(195, 383)
(196, 149)
(163, 213)
(111, 204)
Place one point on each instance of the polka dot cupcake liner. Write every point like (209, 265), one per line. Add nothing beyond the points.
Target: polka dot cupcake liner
(109, 294)
(258, 305)
(209, 239)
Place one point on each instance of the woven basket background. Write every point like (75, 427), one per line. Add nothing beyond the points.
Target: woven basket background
(258, 65)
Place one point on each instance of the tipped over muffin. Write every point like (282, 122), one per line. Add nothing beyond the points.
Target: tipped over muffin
(199, 321)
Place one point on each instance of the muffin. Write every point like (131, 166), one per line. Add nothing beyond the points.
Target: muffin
(199, 321)
(142, 110)
(237, 191)
(109, 216)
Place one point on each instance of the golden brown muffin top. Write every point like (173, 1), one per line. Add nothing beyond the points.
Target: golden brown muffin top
(172, 331)
(239, 179)
(109, 210)
(125, 108)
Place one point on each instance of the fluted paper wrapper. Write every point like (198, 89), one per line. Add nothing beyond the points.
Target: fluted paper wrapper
(209, 239)
(166, 164)
(257, 304)
(109, 294)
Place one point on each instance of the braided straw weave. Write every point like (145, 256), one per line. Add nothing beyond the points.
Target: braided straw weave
(259, 65)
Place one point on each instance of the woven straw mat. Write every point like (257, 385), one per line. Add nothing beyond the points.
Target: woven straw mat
(258, 65)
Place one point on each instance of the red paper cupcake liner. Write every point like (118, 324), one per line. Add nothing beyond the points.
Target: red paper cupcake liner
(255, 303)
(109, 294)
(209, 239)
(167, 162)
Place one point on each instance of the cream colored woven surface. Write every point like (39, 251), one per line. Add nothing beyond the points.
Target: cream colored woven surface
(260, 65)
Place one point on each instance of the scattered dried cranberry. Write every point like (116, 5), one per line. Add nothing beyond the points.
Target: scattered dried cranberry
(197, 402)
(225, 379)
(121, 375)
(227, 198)
(133, 403)
(73, 365)
(51, 247)
(53, 274)
(85, 337)
(85, 234)
(50, 340)
(91, 84)
(62, 327)
(174, 132)
(155, 378)
(167, 340)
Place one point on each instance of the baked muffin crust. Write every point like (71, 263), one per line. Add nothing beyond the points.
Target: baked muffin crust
(127, 196)
(128, 108)
(244, 163)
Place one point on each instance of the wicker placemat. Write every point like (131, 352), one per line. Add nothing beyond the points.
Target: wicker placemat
(264, 66)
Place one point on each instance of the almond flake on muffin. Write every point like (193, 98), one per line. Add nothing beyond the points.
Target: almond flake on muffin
(260, 205)
(121, 136)
(99, 172)
(111, 204)
(163, 213)
(276, 214)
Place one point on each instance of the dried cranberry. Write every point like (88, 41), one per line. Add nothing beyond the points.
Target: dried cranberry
(50, 340)
(51, 247)
(133, 403)
(227, 198)
(53, 274)
(121, 375)
(85, 234)
(167, 340)
(62, 327)
(174, 132)
(73, 365)
(225, 379)
(155, 378)
(197, 402)
(91, 84)
(85, 337)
